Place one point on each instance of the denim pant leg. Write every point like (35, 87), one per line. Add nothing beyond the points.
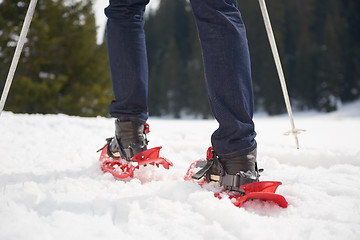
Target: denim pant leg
(128, 59)
(228, 74)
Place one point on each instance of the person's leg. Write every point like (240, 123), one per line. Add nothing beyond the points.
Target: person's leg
(129, 73)
(128, 59)
(228, 75)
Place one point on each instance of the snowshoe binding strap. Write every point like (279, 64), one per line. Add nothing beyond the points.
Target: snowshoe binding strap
(233, 182)
(211, 163)
(205, 167)
(212, 169)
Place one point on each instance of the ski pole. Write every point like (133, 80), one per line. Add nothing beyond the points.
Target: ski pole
(19, 47)
(275, 53)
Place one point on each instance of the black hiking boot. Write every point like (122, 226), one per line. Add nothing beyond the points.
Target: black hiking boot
(231, 173)
(130, 139)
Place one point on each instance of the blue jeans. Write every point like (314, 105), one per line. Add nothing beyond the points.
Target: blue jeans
(226, 62)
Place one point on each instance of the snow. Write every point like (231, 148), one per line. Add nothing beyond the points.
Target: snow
(51, 185)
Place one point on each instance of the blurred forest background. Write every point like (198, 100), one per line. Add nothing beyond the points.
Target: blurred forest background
(64, 70)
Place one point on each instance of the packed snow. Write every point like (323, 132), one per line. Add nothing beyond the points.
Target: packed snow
(51, 185)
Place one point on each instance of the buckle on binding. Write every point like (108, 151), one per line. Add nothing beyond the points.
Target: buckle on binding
(228, 181)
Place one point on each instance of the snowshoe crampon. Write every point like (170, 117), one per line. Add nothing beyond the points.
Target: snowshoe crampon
(263, 190)
(121, 168)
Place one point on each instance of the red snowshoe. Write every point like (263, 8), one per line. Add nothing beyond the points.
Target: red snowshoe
(263, 190)
(121, 168)
(122, 161)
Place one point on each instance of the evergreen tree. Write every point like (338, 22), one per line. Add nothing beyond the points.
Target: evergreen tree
(304, 46)
(330, 68)
(171, 35)
(267, 90)
(198, 100)
(318, 43)
(62, 69)
(351, 51)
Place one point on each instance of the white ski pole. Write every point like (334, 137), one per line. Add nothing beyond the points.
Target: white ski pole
(275, 53)
(19, 47)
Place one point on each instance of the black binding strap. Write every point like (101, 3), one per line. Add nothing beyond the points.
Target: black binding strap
(213, 170)
(233, 182)
(205, 168)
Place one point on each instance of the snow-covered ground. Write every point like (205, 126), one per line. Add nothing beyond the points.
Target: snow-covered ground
(51, 185)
